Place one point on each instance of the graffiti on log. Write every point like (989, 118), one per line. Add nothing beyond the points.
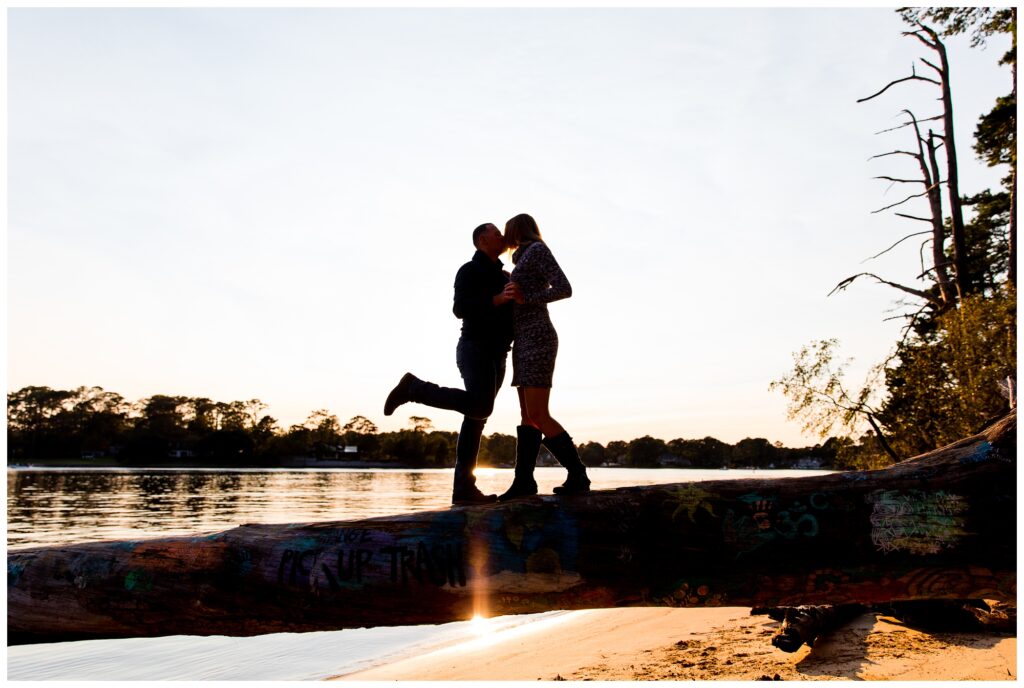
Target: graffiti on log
(916, 521)
(451, 551)
(760, 519)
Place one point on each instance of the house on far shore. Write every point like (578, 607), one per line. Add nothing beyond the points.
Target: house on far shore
(673, 461)
(335, 452)
(87, 454)
(808, 462)
(180, 453)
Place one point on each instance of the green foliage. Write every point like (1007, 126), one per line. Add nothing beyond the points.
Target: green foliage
(416, 448)
(439, 449)
(818, 392)
(404, 445)
(987, 239)
(264, 432)
(420, 423)
(361, 432)
(946, 384)
(703, 453)
(860, 454)
(615, 452)
(981, 22)
(592, 453)
(995, 138)
(497, 449)
(360, 425)
(755, 452)
(235, 443)
(644, 452)
(324, 433)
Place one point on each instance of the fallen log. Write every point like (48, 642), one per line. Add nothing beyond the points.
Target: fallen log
(940, 526)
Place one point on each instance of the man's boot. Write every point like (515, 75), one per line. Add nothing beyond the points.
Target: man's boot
(464, 489)
(564, 450)
(402, 393)
(527, 446)
(472, 495)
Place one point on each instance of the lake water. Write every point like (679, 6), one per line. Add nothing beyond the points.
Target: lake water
(52, 507)
(58, 506)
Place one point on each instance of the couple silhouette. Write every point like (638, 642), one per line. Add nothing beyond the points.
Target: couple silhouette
(499, 312)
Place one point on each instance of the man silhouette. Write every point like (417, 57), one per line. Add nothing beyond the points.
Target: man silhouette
(483, 301)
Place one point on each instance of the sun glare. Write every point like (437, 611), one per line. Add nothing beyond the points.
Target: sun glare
(486, 470)
(480, 624)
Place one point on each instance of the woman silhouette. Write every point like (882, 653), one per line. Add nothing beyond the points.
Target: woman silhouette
(535, 346)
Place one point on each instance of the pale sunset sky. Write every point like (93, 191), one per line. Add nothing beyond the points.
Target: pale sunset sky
(273, 203)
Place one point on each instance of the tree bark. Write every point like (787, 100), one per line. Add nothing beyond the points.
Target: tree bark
(962, 279)
(882, 442)
(1012, 240)
(938, 229)
(941, 525)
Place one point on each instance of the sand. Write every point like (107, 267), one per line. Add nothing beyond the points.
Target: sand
(725, 643)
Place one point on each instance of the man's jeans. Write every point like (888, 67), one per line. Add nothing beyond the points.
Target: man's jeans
(483, 371)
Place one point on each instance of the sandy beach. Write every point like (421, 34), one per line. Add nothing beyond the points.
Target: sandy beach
(725, 643)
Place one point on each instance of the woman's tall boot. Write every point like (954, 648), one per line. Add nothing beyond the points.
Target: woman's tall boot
(527, 446)
(564, 449)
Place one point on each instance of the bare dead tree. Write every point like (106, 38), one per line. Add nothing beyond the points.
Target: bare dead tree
(982, 23)
(909, 236)
(930, 298)
(1012, 272)
(963, 285)
(931, 180)
(938, 228)
(914, 76)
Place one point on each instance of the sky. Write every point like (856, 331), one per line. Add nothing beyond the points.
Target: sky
(273, 203)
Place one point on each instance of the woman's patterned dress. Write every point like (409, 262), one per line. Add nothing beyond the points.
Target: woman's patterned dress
(536, 342)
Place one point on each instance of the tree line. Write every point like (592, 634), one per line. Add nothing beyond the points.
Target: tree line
(53, 425)
(954, 368)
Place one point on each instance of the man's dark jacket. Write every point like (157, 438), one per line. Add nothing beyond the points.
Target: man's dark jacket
(476, 284)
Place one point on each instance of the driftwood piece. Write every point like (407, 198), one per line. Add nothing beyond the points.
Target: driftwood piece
(938, 526)
(808, 623)
(804, 624)
(953, 615)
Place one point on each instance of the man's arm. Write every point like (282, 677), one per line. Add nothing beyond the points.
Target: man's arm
(471, 294)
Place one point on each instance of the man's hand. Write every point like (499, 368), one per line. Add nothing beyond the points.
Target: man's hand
(514, 293)
(510, 293)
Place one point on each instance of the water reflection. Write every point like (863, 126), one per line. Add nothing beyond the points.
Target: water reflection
(49, 507)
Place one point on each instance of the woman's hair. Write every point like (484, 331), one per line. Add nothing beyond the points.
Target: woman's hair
(519, 229)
